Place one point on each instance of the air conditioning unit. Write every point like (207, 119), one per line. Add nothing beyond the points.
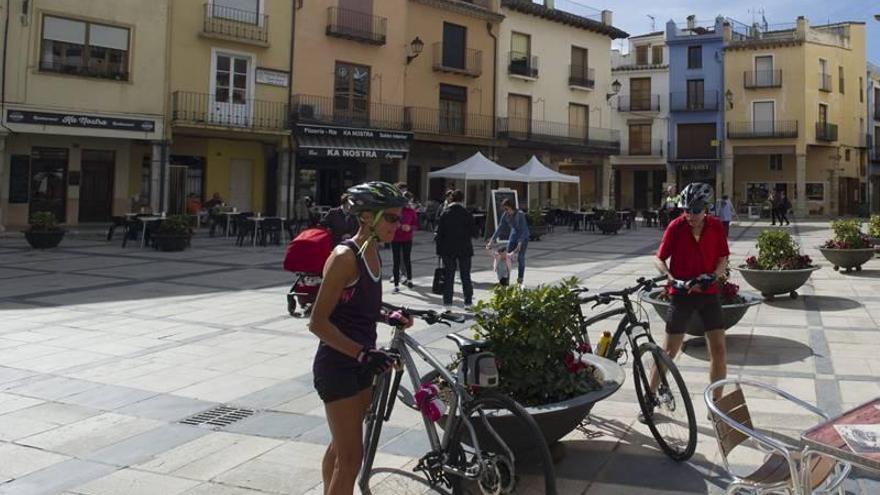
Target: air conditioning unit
(307, 111)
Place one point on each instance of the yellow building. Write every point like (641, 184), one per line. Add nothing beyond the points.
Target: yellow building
(84, 107)
(228, 90)
(796, 116)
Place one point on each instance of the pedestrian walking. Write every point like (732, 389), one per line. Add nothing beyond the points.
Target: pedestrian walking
(501, 266)
(783, 205)
(697, 247)
(342, 224)
(454, 232)
(401, 246)
(726, 213)
(519, 236)
(771, 199)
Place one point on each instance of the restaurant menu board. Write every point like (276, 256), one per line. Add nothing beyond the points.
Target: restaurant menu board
(19, 170)
(498, 197)
(855, 435)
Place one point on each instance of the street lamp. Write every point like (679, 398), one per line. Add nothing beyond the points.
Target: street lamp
(615, 88)
(415, 48)
(729, 97)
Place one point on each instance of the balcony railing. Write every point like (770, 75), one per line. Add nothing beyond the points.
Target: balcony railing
(204, 109)
(468, 62)
(824, 82)
(357, 26)
(639, 103)
(763, 129)
(521, 64)
(227, 22)
(654, 148)
(583, 77)
(607, 140)
(79, 69)
(445, 123)
(345, 112)
(826, 131)
(756, 79)
(701, 101)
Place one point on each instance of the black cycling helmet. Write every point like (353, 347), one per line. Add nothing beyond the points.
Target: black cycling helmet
(374, 196)
(696, 194)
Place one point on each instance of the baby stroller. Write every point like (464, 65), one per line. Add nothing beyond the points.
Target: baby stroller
(305, 257)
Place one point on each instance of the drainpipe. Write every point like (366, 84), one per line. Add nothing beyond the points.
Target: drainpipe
(494, 79)
(3, 98)
(291, 183)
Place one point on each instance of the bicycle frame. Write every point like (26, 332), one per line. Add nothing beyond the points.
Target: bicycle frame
(626, 325)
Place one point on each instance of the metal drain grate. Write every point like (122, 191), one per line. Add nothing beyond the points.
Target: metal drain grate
(219, 417)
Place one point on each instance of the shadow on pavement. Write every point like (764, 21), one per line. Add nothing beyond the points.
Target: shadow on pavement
(776, 350)
(831, 303)
(865, 274)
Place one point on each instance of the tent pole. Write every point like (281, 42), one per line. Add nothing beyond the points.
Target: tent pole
(579, 197)
(465, 192)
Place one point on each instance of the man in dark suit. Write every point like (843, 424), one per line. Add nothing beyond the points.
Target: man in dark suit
(341, 223)
(455, 230)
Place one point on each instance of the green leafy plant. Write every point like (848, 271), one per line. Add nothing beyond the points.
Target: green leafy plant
(777, 251)
(175, 225)
(874, 226)
(536, 339)
(535, 218)
(43, 221)
(847, 235)
(609, 216)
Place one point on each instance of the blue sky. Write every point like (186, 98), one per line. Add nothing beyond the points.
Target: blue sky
(632, 15)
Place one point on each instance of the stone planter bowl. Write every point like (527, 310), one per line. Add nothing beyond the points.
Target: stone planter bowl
(774, 282)
(537, 231)
(44, 239)
(730, 313)
(172, 242)
(848, 259)
(609, 227)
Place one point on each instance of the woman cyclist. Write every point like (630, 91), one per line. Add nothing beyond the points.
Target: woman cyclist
(348, 305)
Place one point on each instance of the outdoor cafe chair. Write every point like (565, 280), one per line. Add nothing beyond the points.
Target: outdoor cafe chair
(244, 228)
(270, 231)
(781, 468)
(116, 223)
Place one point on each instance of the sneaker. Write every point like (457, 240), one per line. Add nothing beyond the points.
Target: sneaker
(447, 306)
(408, 283)
(395, 290)
(642, 418)
(468, 306)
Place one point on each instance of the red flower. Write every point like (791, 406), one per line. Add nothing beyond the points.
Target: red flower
(584, 348)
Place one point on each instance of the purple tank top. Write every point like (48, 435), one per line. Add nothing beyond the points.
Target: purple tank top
(355, 315)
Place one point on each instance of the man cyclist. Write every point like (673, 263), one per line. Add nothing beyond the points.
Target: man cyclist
(697, 246)
(348, 305)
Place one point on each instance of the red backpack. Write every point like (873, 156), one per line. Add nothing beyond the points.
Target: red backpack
(308, 251)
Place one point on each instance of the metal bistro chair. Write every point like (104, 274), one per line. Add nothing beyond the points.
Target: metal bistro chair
(781, 470)
(270, 231)
(244, 228)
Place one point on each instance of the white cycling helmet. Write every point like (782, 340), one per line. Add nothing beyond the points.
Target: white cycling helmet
(694, 192)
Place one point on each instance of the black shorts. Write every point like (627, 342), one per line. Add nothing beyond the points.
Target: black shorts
(342, 384)
(707, 307)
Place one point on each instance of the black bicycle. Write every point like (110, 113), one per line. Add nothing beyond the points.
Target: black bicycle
(471, 454)
(663, 397)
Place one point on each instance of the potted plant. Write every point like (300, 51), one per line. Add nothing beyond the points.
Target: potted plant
(609, 222)
(734, 306)
(849, 248)
(44, 232)
(779, 268)
(174, 233)
(874, 231)
(537, 224)
(543, 363)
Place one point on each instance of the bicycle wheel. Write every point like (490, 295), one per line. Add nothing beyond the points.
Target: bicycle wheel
(490, 414)
(373, 429)
(668, 412)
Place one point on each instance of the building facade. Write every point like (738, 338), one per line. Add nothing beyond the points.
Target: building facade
(83, 116)
(696, 89)
(872, 134)
(795, 121)
(641, 113)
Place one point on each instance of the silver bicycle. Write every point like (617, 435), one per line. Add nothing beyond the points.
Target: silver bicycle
(473, 454)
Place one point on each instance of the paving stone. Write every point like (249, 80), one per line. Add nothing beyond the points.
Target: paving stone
(82, 437)
(57, 478)
(165, 407)
(276, 425)
(131, 482)
(140, 448)
(19, 461)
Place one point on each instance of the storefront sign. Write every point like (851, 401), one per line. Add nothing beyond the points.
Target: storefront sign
(78, 120)
(351, 132)
(695, 167)
(352, 153)
(273, 77)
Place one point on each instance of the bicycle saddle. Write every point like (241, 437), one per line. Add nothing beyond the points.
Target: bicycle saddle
(465, 344)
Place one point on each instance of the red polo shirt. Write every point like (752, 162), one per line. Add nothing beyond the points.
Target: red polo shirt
(690, 258)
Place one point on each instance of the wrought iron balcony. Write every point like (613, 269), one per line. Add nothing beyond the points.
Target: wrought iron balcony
(446, 123)
(468, 62)
(826, 131)
(605, 140)
(702, 101)
(357, 26)
(78, 68)
(654, 148)
(521, 64)
(204, 109)
(582, 77)
(763, 129)
(757, 79)
(344, 112)
(236, 24)
(824, 82)
(638, 103)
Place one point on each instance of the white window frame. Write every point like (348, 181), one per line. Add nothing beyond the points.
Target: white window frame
(261, 11)
(752, 111)
(252, 69)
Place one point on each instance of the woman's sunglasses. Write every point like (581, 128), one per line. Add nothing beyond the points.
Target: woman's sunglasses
(391, 217)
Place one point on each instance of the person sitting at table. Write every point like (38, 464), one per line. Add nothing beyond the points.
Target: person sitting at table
(214, 202)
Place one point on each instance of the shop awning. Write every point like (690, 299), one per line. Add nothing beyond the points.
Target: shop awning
(349, 147)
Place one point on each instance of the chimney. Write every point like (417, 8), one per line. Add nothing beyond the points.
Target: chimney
(692, 21)
(606, 17)
(802, 26)
(550, 4)
(727, 30)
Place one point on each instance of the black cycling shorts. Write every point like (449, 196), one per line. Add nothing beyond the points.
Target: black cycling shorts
(342, 384)
(683, 307)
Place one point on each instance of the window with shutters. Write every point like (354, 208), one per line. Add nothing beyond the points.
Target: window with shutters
(453, 104)
(840, 78)
(695, 94)
(657, 55)
(642, 55)
(640, 139)
(578, 121)
(695, 57)
(84, 48)
(640, 93)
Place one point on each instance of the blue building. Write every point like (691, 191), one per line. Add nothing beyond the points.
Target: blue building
(696, 85)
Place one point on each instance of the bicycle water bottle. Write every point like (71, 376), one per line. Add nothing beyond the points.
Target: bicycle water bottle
(604, 342)
(429, 403)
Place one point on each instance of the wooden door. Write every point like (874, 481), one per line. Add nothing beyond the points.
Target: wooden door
(96, 186)
(640, 93)
(519, 113)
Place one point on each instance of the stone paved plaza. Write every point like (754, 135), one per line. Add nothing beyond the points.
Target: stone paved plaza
(104, 350)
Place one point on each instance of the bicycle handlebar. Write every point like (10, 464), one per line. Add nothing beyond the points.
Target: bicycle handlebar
(429, 316)
(608, 296)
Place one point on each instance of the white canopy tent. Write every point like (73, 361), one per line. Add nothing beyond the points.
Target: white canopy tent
(535, 171)
(477, 167)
